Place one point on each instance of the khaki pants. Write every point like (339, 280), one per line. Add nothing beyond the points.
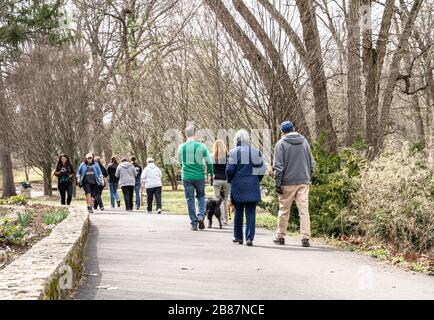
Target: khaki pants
(299, 193)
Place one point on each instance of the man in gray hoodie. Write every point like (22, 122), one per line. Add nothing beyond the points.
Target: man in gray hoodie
(293, 168)
(127, 180)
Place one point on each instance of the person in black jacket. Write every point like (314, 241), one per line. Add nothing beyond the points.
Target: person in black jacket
(65, 173)
(113, 182)
(220, 157)
(138, 185)
(99, 189)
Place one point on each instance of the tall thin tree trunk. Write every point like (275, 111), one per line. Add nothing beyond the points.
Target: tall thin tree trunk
(7, 171)
(323, 119)
(394, 73)
(430, 83)
(418, 121)
(46, 172)
(373, 60)
(354, 108)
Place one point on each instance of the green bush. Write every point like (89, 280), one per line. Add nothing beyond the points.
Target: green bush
(10, 233)
(55, 216)
(332, 189)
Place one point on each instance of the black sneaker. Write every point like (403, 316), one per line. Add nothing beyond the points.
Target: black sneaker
(305, 243)
(201, 224)
(119, 204)
(102, 208)
(237, 241)
(279, 241)
(249, 243)
(89, 209)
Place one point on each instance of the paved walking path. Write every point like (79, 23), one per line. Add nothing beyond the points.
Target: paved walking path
(139, 256)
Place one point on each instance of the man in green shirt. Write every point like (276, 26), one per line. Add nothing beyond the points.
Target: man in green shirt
(192, 155)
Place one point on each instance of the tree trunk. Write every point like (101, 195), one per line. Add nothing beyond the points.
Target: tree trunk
(311, 58)
(7, 171)
(373, 60)
(259, 64)
(394, 73)
(418, 121)
(108, 153)
(323, 120)
(289, 96)
(173, 178)
(354, 108)
(48, 189)
(430, 83)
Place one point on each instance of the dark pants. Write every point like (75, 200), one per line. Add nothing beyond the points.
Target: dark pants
(150, 192)
(65, 188)
(250, 209)
(98, 198)
(128, 192)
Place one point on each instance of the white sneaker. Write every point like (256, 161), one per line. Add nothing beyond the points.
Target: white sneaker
(159, 211)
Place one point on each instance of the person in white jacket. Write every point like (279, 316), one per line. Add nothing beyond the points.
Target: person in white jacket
(151, 181)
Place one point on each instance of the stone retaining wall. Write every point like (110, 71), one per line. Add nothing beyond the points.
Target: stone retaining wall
(51, 268)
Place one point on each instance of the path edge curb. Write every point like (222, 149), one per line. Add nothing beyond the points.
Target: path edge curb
(53, 267)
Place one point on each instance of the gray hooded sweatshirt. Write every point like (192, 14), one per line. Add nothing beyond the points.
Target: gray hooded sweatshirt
(293, 161)
(126, 172)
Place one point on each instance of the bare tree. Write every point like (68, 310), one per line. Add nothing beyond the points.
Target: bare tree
(50, 89)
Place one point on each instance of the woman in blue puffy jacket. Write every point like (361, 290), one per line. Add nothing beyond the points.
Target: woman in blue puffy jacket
(89, 176)
(245, 171)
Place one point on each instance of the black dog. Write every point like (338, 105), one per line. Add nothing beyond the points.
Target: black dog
(213, 208)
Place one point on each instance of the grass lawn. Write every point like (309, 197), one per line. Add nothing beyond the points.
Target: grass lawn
(35, 176)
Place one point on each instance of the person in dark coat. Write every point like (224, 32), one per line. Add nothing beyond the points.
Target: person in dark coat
(245, 171)
(113, 182)
(65, 174)
(99, 189)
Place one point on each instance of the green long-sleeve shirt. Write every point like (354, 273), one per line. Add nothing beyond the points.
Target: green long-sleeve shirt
(191, 156)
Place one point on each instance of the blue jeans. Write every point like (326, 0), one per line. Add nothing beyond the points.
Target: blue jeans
(137, 189)
(190, 186)
(250, 209)
(114, 195)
